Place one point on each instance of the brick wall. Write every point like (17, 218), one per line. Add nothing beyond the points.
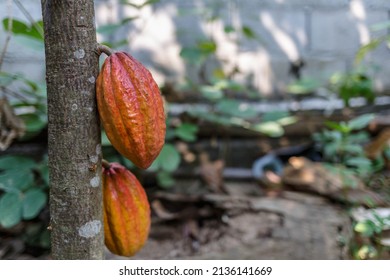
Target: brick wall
(325, 34)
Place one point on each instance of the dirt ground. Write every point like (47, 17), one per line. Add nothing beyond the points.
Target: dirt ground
(247, 226)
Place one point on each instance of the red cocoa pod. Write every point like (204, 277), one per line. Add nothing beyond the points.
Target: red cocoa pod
(131, 109)
(126, 211)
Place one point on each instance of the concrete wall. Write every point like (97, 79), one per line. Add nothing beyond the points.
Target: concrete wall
(325, 34)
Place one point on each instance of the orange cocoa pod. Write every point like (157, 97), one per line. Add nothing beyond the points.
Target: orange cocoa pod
(126, 211)
(131, 109)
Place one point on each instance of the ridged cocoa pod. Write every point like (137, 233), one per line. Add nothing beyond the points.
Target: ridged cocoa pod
(131, 109)
(126, 211)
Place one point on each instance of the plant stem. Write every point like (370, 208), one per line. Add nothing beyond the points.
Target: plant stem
(105, 163)
(104, 49)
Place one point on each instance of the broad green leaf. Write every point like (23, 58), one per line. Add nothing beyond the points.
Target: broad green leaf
(6, 79)
(10, 209)
(353, 149)
(274, 116)
(366, 228)
(17, 180)
(287, 120)
(361, 121)
(169, 158)
(359, 162)
(44, 171)
(342, 127)
(272, 129)
(187, 132)
(105, 141)
(155, 166)
(33, 202)
(9, 162)
(34, 122)
(303, 86)
(228, 84)
(165, 179)
(207, 47)
(111, 28)
(236, 108)
(193, 56)
(211, 92)
(128, 163)
(108, 28)
(21, 28)
(30, 42)
(331, 149)
(359, 137)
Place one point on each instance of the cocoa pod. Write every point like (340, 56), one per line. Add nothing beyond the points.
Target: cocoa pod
(131, 109)
(126, 211)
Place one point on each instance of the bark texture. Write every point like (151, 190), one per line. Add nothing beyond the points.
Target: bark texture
(74, 129)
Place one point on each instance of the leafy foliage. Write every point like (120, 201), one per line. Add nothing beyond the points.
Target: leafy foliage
(343, 144)
(23, 185)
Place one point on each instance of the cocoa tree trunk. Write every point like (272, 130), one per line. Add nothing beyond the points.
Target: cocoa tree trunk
(74, 129)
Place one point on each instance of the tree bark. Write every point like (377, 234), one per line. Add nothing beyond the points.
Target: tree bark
(74, 129)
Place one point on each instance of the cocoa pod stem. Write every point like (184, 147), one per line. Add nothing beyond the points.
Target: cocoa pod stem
(104, 49)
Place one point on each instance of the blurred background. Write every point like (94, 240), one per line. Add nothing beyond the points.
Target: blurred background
(278, 134)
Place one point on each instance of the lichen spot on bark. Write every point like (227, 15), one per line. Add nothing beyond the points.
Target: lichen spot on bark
(79, 54)
(91, 79)
(90, 229)
(95, 181)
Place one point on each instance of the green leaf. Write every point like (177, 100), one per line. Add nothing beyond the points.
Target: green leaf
(17, 180)
(193, 56)
(366, 228)
(361, 53)
(108, 28)
(10, 209)
(342, 127)
(9, 162)
(207, 47)
(331, 150)
(33, 122)
(303, 86)
(361, 121)
(353, 149)
(44, 171)
(229, 29)
(272, 129)
(211, 93)
(33, 202)
(165, 179)
(287, 120)
(21, 28)
(236, 108)
(155, 166)
(187, 132)
(30, 42)
(105, 141)
(111, 28)
(359, 162)
(274, 116)
(169, 158)
(248, 32)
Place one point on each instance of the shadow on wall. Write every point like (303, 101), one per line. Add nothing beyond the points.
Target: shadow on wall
(266, 44)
